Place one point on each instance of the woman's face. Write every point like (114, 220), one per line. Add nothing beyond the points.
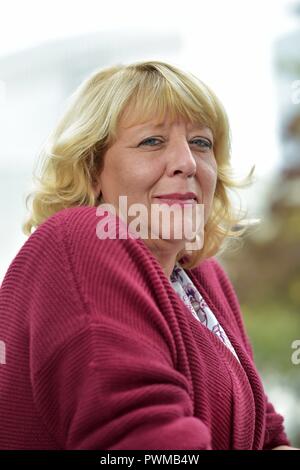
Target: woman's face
(147, 161)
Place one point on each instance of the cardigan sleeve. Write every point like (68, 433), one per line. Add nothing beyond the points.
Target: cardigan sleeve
(103, 375)
(275, 434)
(107, 390)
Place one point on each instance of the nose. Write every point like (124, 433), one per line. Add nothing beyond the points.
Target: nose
(180, 159)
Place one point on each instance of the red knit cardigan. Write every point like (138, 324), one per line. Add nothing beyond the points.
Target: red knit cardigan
(101, 353)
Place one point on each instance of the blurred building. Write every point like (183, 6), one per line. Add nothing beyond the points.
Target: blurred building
(265, 268)
(268, 263)
(287, 69)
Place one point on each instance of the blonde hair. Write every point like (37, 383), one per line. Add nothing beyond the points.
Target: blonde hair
(72, 156)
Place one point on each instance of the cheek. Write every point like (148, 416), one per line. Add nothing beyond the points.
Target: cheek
(207, 177)
(131, 177)
(142, 174)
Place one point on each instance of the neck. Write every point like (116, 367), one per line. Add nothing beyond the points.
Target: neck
(165, 255)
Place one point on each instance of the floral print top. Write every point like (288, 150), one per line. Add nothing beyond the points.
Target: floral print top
(189, 294)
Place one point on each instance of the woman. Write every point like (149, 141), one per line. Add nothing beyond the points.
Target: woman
(116, 340)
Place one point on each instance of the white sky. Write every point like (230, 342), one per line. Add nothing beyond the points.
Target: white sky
(227, 44)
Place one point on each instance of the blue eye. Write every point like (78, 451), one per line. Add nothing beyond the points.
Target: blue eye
(204, 143)
(147, 140)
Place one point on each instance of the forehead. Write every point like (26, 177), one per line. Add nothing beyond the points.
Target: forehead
(154, 125)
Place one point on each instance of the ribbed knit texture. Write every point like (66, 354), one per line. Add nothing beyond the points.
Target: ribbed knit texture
(101, 353)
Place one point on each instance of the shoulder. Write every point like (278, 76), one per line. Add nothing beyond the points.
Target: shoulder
(80, 230)
(66, 246)
(99, 247)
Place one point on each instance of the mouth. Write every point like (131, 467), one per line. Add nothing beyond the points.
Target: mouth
(179, 198)
(179, 202)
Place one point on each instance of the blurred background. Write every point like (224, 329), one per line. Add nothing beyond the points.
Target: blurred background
(248, 52)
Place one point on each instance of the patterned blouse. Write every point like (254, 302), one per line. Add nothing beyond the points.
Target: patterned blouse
(189, 294)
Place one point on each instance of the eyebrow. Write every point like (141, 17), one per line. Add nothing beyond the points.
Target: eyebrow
(163, 126)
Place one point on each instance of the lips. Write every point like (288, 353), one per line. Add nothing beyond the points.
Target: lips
(178, 196)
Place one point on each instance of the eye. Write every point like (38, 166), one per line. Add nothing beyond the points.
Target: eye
(144, 142)
(203, 143)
